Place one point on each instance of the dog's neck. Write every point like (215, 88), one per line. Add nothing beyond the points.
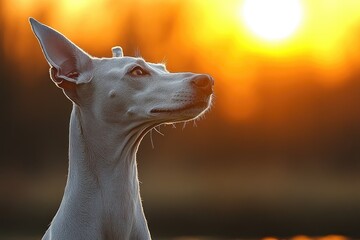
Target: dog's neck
(102, 180)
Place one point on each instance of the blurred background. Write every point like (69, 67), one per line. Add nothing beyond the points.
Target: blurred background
(278, 154)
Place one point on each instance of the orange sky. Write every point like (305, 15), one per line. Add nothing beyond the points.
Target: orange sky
(204, 36)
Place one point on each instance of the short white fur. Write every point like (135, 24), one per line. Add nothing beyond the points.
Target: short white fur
(116, 101)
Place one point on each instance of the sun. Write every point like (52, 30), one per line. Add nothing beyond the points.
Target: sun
(272, 20)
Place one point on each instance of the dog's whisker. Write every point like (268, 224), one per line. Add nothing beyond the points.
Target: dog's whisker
(151, 139)
(158, 131)
(137, 52)
(163, 61)
(184, 125)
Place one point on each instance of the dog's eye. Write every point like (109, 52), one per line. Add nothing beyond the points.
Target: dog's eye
(138, 71)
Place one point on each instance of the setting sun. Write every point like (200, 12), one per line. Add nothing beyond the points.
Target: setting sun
(277, 156)
(272, 20)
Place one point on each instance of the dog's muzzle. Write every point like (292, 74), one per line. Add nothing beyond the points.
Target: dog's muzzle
(203, 83)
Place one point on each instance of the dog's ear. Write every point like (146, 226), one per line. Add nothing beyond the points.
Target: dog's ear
(69, 65)
(117, 51)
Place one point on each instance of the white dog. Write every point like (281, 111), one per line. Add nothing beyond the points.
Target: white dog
(116, 101)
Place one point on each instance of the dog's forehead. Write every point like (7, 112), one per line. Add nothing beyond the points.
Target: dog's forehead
(128, 60)
(125, 62)
(141, 61)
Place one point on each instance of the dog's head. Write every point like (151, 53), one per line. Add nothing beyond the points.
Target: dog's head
(122, 88)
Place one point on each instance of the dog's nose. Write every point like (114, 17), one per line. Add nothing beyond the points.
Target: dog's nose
(203, 82)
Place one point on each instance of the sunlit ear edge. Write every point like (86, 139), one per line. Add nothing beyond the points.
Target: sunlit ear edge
(117, 51)
(82, 72)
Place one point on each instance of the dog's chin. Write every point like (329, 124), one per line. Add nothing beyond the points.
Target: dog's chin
(182, 112)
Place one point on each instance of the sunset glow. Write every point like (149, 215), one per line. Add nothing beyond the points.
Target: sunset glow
(277, 154)
(242, 43)
(272, 20)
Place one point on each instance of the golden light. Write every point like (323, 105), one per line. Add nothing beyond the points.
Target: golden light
(272, 20)
(294, 40)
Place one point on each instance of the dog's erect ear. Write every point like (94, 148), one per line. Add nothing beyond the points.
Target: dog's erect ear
(117, 52)
(68, 62)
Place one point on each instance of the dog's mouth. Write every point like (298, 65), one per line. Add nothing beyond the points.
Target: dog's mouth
(201, 105)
